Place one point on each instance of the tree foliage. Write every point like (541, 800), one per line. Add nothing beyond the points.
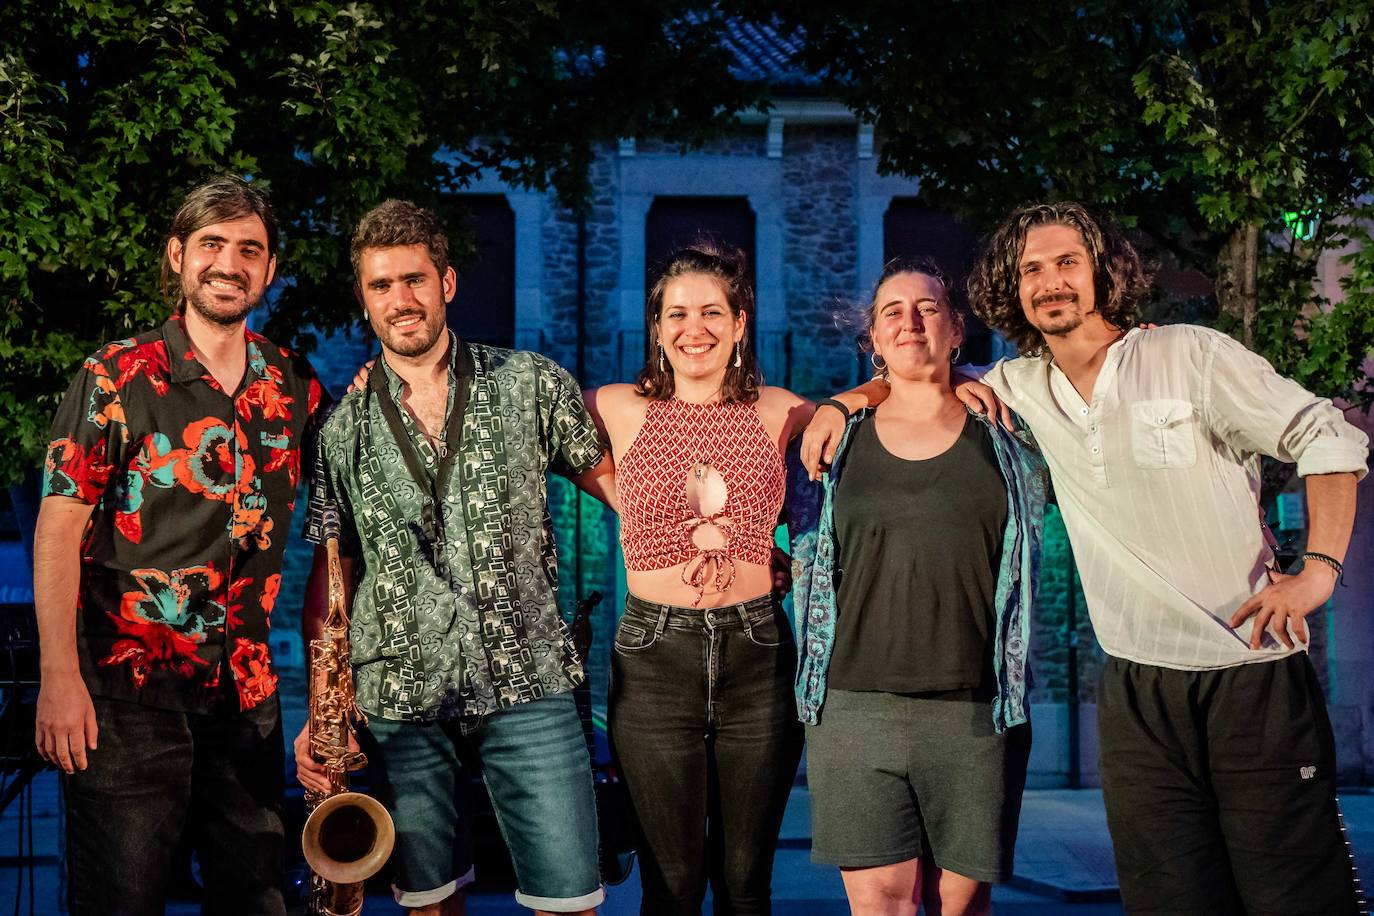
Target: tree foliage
(110, 111)
(1207, 125)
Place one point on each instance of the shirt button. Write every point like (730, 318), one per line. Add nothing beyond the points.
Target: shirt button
(1092, 429)
(1095, 450)
(1159, 420)
(1084, 411)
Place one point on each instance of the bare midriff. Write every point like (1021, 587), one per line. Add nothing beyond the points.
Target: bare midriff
(665, 586)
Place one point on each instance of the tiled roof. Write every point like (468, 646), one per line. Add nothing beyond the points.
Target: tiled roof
(764, 52)
(761, 52)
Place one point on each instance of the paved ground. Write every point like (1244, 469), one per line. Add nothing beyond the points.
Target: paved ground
(1064, 863)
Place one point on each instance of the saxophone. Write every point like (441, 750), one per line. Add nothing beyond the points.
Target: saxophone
(348, 835)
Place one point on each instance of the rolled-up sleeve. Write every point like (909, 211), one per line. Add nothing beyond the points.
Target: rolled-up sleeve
(1253, 408)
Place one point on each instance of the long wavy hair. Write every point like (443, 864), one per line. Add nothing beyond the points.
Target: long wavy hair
(726, 265)
(1121, 277)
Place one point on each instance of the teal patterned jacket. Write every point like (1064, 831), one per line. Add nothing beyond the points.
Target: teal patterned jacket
(811, 525)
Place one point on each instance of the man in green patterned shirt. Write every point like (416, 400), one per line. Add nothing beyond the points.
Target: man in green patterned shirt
(436, 468)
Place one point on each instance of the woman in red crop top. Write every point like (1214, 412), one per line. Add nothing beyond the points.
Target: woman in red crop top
(701, 709)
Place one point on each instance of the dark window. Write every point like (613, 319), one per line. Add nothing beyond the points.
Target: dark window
(677, 221)
(483, 309)
(912, 229)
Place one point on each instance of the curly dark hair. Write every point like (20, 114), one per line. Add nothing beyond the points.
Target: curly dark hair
(393, 223)
(726, 264)
(1122, 277)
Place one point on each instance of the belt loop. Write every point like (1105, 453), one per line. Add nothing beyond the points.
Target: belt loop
(662, 621)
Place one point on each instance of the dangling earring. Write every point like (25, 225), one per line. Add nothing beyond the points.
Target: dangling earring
(880, 369)
(738, 362)
(661, 366)
(954, 357)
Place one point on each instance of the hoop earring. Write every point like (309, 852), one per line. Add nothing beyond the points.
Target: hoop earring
(738, 361)
(954, 357)
(661, 366)
(873, 358)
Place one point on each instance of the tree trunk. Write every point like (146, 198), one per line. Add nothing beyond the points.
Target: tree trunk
(1238, 277)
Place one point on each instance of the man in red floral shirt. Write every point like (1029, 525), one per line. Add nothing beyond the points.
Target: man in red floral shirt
(168, 493)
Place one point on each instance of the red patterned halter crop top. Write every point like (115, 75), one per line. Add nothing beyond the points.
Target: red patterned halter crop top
(701, 484)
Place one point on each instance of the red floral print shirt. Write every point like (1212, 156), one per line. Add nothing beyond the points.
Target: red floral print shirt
(193, 492)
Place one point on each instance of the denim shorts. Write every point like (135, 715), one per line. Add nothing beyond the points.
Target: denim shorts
(534, 762)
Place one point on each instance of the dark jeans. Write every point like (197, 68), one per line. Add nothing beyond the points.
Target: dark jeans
(1220, 789)
(704, 726)
(156, 772)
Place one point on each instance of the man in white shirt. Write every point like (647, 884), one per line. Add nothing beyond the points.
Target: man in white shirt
(1217, 758)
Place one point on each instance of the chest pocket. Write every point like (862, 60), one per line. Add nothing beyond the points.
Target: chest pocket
(1162, 434)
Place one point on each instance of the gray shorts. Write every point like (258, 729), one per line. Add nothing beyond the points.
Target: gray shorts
(897, 777)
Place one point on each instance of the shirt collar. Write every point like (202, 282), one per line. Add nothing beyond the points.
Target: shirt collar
(185, 367)
(459, 364)
(1106, 375)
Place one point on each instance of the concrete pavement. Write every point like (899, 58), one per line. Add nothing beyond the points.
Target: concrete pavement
(1064, 862)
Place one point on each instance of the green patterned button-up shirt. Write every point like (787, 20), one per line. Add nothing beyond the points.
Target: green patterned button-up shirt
(478, 630)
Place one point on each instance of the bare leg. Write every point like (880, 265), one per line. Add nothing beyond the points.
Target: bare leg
(455, 904)
(884, 890)
(949, 894)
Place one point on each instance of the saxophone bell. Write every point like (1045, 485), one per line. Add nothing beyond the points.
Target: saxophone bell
(348, 838)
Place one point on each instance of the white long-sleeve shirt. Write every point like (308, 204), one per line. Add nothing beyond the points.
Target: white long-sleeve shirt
(1158, 480)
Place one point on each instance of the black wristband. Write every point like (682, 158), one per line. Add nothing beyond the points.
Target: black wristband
(823, 402)
(1329, 561)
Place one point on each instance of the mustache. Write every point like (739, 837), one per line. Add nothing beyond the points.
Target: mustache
(1049, 298)
(209, 275)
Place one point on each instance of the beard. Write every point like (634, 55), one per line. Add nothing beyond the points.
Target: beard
(410, 345)
(1070, 316)
(208, 306)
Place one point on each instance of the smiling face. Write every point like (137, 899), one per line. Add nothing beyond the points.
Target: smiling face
(405, 298)
(1056, 283)
(914, 328)
(224, 268)
(696, 327)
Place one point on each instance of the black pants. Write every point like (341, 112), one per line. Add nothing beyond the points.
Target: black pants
(706, 732)
(157, 772)
(1220, 789)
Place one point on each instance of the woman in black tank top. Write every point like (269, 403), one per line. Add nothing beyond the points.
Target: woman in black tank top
(915, 777)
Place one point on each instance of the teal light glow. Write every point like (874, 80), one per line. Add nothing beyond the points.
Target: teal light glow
(1302, 224)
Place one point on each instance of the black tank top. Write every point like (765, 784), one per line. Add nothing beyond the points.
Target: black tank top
(920, 545)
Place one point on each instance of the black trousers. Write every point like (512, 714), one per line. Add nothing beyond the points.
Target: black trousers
(1220, 788)
(706, 733)
(156, 772)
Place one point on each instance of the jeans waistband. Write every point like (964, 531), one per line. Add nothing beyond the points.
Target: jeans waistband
(727, 615)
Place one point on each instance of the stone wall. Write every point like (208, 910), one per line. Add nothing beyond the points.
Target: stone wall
(1053, 641)
(821, 239)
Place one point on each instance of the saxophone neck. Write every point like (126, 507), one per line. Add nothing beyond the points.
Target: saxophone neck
(336, 621)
